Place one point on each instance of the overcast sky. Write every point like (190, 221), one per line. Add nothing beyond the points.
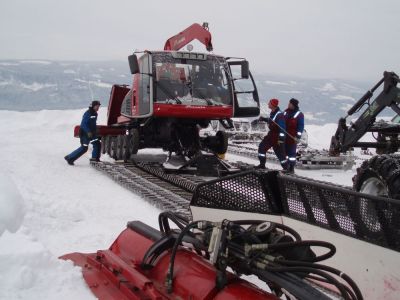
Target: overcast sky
(356, 39)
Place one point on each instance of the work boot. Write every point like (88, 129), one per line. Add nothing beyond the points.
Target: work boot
(70, 162)
(291, 169)
(263, 160)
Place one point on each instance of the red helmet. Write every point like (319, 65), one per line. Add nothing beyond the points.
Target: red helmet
(274, 102)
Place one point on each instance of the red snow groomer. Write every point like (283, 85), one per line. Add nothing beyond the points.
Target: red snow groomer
(176, 93)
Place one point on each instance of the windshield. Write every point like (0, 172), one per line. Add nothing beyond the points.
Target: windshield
(191, 81)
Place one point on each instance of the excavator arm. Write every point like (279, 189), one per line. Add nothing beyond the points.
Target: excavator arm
(195, 31)
(348, 136)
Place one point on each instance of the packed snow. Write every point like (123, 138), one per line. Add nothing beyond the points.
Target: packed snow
(12, 208)
(67, 209)
(48, 208)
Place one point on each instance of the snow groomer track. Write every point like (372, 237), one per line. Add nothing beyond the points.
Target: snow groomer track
(165, 191)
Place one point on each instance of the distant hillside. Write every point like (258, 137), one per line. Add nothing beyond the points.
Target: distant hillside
(36, 84)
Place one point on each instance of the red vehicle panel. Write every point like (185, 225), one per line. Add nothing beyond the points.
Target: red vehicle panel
(116, 274)
(117, 95)
(191, 111)
(102, 130)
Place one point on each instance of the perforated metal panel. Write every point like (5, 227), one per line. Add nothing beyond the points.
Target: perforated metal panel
(369, 218)
(366, 217)
(242, 192)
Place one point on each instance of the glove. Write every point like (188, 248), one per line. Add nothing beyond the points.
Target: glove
(90, 135)
(298, 138)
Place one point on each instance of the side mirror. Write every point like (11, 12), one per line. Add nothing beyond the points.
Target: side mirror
(245, 69)
(133, 64)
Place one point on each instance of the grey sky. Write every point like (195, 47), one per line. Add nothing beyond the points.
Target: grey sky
(356, 39)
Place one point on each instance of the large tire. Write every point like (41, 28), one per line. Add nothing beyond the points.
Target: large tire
(107, 144)
(104, 141)
(134, 141)
(113, 147)
(222, 142)
(120, 145)
(379, 176)
(126, 149)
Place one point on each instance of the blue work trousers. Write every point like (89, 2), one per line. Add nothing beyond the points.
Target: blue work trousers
(84, 148)
(279, 149)
(291, 152)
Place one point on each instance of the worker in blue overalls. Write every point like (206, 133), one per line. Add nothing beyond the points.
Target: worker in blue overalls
(275, 137)
(87, 134)
(294, 120)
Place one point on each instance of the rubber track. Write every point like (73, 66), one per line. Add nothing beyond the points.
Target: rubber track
(158, 192)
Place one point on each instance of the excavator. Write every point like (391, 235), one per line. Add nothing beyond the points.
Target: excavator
(380, 175)
(174, 94)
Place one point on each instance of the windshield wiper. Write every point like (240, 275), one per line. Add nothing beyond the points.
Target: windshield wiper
(168, 92)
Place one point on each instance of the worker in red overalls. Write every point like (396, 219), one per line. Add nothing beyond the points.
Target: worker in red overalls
(275, 138)
(294, 119)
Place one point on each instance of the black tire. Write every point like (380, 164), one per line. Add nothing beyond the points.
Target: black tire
(126, 149)
(104, 141)
(134, 141)
(383, 170)
(120, 145)
(222, 142)
(113, 147)
(107, 144)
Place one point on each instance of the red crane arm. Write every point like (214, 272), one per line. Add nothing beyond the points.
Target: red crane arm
(195, 31)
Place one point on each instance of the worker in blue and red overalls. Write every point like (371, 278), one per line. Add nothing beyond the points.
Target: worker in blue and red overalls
(275, 138)
(294, 126)
(87, 134)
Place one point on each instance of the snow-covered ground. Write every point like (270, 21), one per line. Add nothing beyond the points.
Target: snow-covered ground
(67, 209)
(53, 208)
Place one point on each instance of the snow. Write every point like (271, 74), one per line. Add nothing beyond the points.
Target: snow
(4, 83)
(343, 97)
(309, 116)
(67, 209)
(40, 62)
(8, 64)
(346, 107)
(37, 86)
(291, 92)
(12, 208)
(270, 82)
(96, 83)
(328, 87)
(69, 71)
